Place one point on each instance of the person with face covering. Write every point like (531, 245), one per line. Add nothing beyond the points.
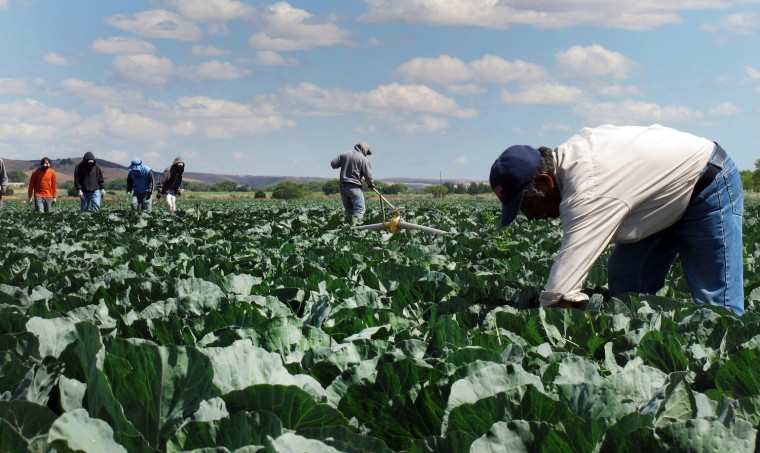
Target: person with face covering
(140, 185)
(354, 166)
(170, 182)
(42, 187)
(89, 183)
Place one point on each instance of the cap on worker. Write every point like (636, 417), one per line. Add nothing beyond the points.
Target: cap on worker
(45, 162)
(363, 148)
(136, 161)
(511, 173)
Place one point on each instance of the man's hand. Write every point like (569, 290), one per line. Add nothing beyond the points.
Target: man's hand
(158, 196)
(2, 190)
(147, 195)
(81, 195)
(31, 200)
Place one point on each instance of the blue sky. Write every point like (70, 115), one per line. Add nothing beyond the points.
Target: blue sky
(438, 88)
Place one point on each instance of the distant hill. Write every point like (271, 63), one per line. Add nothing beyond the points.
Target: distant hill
(64, 169)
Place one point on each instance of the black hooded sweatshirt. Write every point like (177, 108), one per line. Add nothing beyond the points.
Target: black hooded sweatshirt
(87, 175)
(172, 177)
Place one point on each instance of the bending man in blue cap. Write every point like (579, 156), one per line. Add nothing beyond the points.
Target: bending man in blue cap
(140, 179)
(655, 192)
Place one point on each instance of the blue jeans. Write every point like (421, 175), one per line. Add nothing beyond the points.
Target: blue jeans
(43, 204)
(708, 238)
(90, 199)
(139, 201)
(353, 200)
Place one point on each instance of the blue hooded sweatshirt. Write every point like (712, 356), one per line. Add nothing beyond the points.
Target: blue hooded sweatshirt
(140, 177)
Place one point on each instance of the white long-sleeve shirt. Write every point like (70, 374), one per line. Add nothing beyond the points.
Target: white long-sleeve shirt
(618, 185)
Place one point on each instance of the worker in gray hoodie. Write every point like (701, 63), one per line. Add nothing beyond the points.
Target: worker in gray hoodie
(89, 183)
(354, 167)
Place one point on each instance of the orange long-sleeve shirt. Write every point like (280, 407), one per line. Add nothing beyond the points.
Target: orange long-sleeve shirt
(43, 183)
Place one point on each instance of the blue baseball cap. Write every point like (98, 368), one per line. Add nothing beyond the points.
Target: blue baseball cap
(512, 171)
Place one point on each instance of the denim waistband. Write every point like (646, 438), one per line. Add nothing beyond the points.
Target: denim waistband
(713, 167)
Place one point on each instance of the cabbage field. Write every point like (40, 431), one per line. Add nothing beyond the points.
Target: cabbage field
(267, 326)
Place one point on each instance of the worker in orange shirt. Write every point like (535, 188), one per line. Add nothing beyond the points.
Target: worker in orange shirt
(43, 187)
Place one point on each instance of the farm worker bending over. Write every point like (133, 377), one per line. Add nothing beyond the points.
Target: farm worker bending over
(170, 182)
(653, 191)
(354, 166)
(140, 185)
(43, 187)
(89, 183)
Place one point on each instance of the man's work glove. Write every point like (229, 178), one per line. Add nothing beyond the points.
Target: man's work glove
(103, 193)
(81, 195)
(129, 196)
(179, 192)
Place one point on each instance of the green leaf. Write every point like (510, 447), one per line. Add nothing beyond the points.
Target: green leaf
(664, 350)
(239, 430)
(296, 408)
(241, 365)
(158, 386)
(22, 422)
(740, 375)
(76, 431)
(705, 435)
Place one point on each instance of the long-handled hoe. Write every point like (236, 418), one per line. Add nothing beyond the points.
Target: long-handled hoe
(396, 223)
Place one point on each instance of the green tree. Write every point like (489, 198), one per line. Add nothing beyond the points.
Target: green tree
(17, 176)
(260, 194)
(438, 191)
(288, 190)
(331, 187)
(224, 186)
(748, 180)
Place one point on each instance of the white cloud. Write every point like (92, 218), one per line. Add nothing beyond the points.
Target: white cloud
(394, 98)
(121, 45)
(725, 109)
(631, 112)
(499, 14)
(212, 10)
(56, 59)
(147, 69)
(157, 23)
(461, 161)
(427, 124)
(95, 94)
(743, 23)
(215, 70)
(449, 70)
(269, 58)
(4, 4)
(200, 50)
(493, 69)
(443, 70)
(752, 73)
(8, 85)
(133, 126)
(616, 90)
(218, 118)
(544, 93)
(114, 155)
(594, 61)
(239, 156)
(32, 121)
(287, 28)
